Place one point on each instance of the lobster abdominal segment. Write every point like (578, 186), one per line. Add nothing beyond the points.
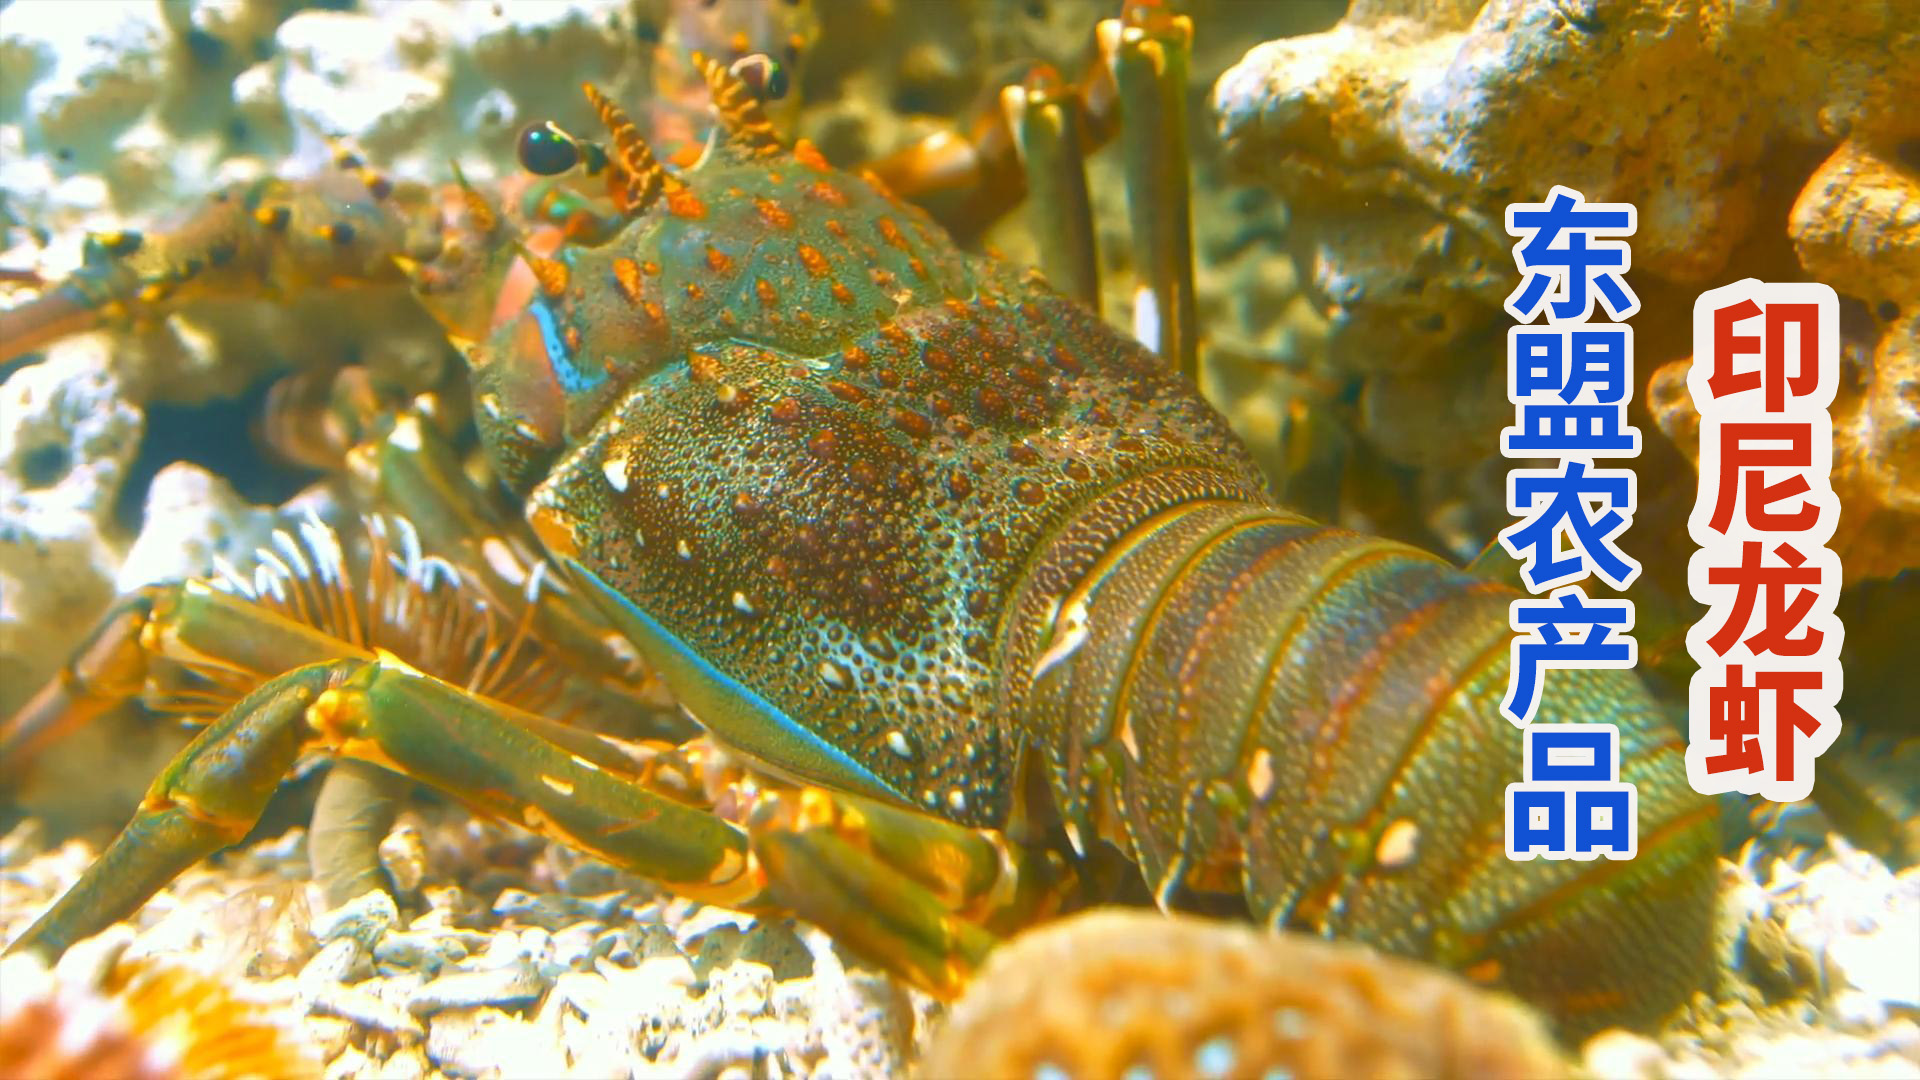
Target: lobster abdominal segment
(1247, 702)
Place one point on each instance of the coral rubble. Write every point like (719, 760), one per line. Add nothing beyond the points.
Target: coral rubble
(1182, 996)
(1398, 138)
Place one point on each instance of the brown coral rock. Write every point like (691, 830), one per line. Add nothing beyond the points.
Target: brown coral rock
(1398, 138)
(1118, 992)
(1855, 226)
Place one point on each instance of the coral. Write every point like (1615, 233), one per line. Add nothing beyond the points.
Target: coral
(192, 517)
(67, 436)
(1190, 997)
(1856, 227)
(1398, 138)
(101, 1013)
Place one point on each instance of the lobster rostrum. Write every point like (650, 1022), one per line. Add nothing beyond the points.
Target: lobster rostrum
(990, 588)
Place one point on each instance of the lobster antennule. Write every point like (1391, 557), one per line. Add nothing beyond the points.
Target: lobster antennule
(639, 178)
(738, 108)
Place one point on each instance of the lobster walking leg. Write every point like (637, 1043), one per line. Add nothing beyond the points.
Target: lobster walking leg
(106, 669)
(924, 897)
(207, 798)
(262, 238)
(554, 780)
(1046, 123)
(356, 808)
(911, 891)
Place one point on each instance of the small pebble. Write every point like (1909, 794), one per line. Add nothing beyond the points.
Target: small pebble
(364, 919)
(406, 1063)
(406, 950)
(329, 1035)
(365, 1009)
(511, 987)
(743, 989)
(552, 910)
(403, 854)
(1621, 1055)
(341, 960)
(488, 1042)
(1858, 1011)
(575, 947)
(350, 1063)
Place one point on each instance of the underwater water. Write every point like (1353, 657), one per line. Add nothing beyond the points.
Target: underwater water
(776, 593)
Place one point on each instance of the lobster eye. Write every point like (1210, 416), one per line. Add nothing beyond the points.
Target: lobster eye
(546, 151)
(764, 75)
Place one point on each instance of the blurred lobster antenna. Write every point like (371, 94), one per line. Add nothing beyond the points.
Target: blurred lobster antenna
(738, 108)
(639, 179)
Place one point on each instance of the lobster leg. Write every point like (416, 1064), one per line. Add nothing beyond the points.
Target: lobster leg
(109, 667)
(415, 470)
(1148, 52)
(565, 784)
(1045, 119)
(923, 897)
(262, 238)
(1034, 145)
(206, 798)
(193, 623)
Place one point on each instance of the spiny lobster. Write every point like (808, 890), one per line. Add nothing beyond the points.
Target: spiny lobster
(989, 581)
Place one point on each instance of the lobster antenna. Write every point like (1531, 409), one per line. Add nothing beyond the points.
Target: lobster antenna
(485, 218)
(638, 179)
(738, 109)
(552, 274)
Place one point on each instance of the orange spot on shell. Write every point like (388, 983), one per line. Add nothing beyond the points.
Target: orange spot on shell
(843, 294)
(694, 291)
(769, 296)
(891, 233)
(815, 262)
(808, 154)
(828, 194)
(552, 274)
(873, 181)
(836, 228)
(682, 203)
(912, 423)
(718, 261)
(773, 213)
(626, 273)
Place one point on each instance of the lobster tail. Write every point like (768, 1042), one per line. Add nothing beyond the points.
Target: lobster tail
(1321, 711)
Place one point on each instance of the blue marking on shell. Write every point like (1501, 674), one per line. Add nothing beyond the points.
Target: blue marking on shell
(573, 378)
